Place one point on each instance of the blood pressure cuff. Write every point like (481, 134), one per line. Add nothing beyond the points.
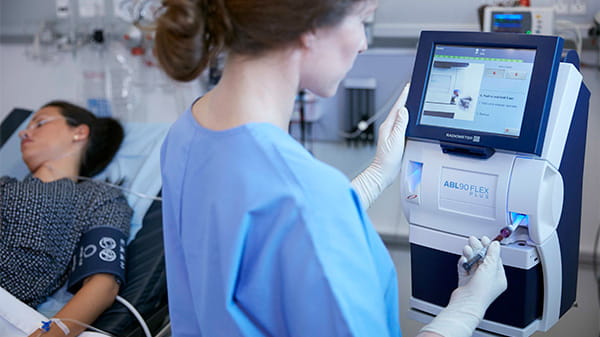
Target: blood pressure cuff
(100, 250)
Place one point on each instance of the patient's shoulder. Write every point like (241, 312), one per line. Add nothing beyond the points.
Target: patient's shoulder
(98, 192)
(104, 205)
(4, 180)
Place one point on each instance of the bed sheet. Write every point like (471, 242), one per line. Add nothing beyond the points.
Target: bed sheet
(18, 319)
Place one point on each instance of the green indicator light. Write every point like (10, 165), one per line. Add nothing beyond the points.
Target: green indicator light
(528, 32)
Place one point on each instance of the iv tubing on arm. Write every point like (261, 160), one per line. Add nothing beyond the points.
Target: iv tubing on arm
(388, 158)
(96, 295)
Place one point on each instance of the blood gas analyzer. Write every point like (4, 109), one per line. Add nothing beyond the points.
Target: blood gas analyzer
(496, 140)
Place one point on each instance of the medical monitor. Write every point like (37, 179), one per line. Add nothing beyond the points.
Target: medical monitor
(519, 22)
(491, 90)
(527, 20)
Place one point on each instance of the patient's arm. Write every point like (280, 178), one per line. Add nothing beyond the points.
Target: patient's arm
(96, 295)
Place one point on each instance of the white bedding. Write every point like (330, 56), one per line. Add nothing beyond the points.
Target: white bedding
(18, 319)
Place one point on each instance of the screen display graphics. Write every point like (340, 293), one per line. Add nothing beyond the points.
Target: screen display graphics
(478, 89)
(511, 22)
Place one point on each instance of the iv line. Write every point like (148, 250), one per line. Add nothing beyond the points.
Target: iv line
(363, 125)
(124, 189)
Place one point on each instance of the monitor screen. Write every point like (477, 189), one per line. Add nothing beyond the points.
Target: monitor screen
(514, 22)
(489, 90)
(478, 88)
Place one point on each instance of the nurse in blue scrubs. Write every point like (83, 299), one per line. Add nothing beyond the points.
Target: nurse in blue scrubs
(261, 238)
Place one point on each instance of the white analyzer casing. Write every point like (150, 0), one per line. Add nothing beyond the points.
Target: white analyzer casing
(447, 198)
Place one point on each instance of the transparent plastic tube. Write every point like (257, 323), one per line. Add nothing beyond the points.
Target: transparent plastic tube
(504, 233)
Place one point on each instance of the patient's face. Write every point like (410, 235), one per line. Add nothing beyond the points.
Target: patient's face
(47, 138)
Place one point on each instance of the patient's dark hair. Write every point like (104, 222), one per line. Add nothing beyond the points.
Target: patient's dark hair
(106, 136)
(191, 33)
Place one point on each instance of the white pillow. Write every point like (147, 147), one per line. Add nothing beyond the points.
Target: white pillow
(138, 164)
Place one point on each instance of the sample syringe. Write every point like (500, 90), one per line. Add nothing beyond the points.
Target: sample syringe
(504, 233)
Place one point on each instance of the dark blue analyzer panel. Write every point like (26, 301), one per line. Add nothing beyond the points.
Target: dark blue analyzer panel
(490, 90)
(433, 275)
(571, 170)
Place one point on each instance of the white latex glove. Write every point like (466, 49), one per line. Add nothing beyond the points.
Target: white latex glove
(477, 289)
(388, 158)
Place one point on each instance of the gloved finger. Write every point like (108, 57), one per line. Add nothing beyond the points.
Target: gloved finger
(401, 101)
(502, 275)
(468, 252)
(395, 111)
(400, 122)
(485, 241)
(475, 243)
(462, 273)
(385, 129)
(395, 139)
(493, 253)
(493, 263)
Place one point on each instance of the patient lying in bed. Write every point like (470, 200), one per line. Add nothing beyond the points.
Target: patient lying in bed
(57, 227)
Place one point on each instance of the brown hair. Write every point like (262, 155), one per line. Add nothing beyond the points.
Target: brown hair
(191, 33)
(106, 136)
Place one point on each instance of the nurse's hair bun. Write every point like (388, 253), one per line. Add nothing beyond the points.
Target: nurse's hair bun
(189, 34)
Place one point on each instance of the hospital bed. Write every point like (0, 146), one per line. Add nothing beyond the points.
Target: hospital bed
(137, 165)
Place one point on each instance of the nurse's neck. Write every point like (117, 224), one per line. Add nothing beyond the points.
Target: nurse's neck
(251, 90)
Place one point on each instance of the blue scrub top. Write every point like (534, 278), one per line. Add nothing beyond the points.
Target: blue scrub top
(262, 239)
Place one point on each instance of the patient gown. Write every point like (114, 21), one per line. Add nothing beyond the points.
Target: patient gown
(40, 226)
(262, 239)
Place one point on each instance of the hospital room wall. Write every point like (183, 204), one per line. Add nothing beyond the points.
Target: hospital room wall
(28, 84)
(404, 18)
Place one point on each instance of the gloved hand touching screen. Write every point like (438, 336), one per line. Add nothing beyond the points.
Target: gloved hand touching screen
(390, 147)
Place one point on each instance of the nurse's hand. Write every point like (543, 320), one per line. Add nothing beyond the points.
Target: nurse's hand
(388, 158)
(477, 289)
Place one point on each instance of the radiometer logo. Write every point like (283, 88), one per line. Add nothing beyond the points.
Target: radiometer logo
(474, 139)
(474, 191)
